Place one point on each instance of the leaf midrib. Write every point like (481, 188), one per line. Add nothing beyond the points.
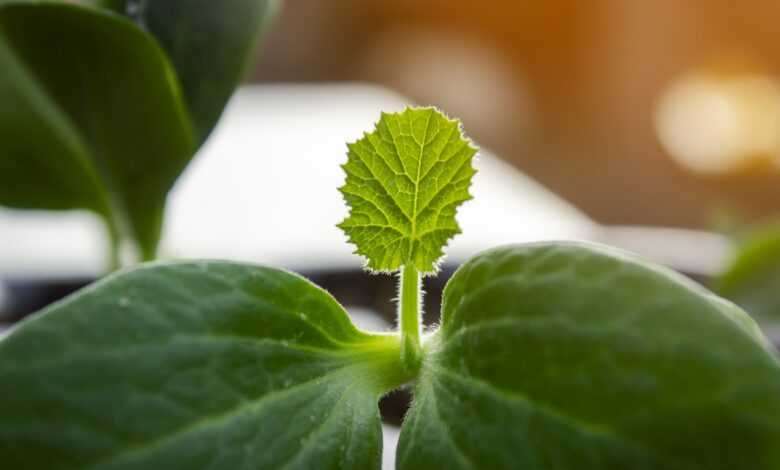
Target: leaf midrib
(413, 235)
(79, 354)
(311, 436)
(460, 454)
(250, 406)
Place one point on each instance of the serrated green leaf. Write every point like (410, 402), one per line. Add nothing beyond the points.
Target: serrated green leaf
(752, 279)
(194, 365)
(405, 181)
(210, 44)
(570, 356)
(92, 94)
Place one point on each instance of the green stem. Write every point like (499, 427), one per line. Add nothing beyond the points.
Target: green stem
(409, 317)
(115, 239)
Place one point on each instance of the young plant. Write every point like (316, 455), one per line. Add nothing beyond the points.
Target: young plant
(102, 110)
(549, 355)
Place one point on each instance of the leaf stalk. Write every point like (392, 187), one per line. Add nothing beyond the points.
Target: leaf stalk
(409, 314)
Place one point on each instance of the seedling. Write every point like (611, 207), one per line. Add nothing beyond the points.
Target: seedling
(549, 355)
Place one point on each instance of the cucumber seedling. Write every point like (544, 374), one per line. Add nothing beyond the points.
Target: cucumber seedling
(555, 355)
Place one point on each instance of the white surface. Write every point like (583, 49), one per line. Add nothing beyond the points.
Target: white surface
(368, 319)
(390, 435)
(690, 251)
(263, 189)
(51, 243)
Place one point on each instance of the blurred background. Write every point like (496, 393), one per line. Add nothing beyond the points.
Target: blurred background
(653, 113)
(651, 126)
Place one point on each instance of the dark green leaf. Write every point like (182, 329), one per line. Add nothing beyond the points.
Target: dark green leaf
(43, 161)
(569, 356)
(753, 278)
(194, 365)
(102, 90)
(210, 44)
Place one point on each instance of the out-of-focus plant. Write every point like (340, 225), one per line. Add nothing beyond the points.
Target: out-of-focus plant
(102, 106)
(752, 279)
(549, 355)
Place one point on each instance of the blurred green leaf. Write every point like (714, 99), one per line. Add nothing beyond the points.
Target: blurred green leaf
(752, 280)
(44, 163)
(194, 365)
(96, 110)
(210, 44)
(570, 356)
(96, 117)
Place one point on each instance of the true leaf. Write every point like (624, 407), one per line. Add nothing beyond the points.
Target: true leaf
(405, 181)
(194, 365)
(752, 279)
(210, 44)
(571, 356)
(92, 94)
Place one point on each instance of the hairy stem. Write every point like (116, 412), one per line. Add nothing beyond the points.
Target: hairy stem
(409, 317)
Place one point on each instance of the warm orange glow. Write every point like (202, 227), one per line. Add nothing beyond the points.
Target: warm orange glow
(714, 124)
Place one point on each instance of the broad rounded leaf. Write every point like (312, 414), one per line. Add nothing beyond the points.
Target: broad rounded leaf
(404, 184)
(210, 44)
(752, 280)
(572, 356)
(99, 98)
(194, 365)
